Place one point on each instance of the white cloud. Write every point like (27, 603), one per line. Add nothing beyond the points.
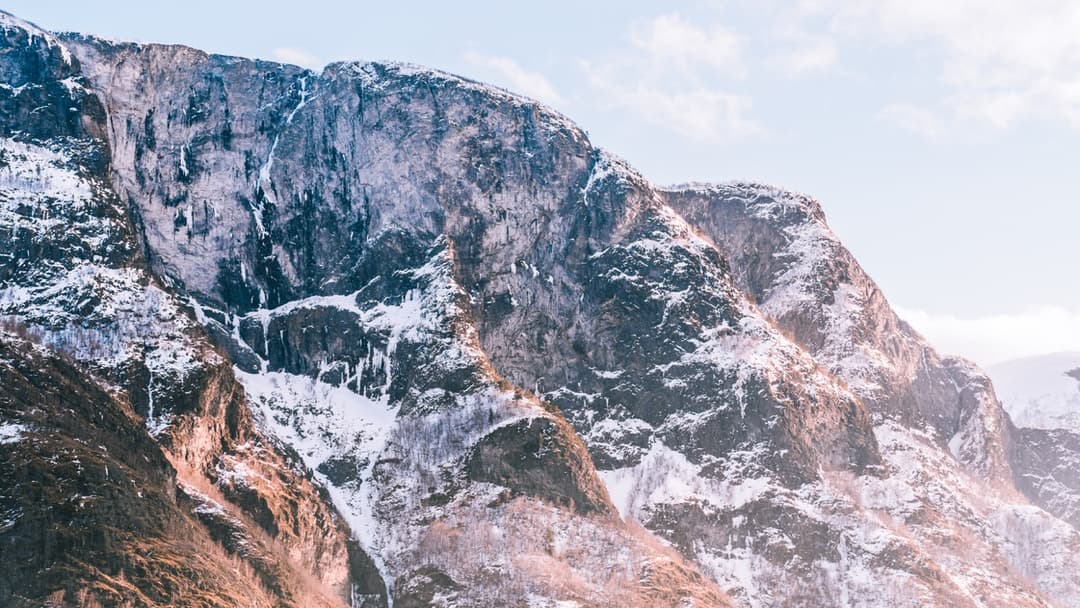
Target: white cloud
(694, 111)
(995, 338)
(671, 75)
(508, 73)
(672, 40)
(298, 57)
(913, 118)
(797, 48)
(808, 55)
(1000, 60)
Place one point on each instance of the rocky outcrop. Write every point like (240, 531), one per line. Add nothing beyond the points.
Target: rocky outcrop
(786, 258)
(539, 457)
(90, 511)
(1047, 466)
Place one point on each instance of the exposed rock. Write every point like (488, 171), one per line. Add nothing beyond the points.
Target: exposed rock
(1047, 465)
(540, 457)
(89, 511)
(426, 587)
(786, 258)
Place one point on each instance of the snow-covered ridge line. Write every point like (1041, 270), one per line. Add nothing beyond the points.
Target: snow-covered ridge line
(370, 73)
(9, 22)
(753, 193)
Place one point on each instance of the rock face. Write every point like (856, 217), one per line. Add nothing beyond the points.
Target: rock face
(75, 282)
(800, 275)
(93, 514)
(396, 336)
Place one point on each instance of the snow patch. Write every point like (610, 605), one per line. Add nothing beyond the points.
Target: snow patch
(11, 432)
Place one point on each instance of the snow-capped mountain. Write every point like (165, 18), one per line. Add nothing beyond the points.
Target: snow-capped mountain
(1041, 392)
(382, 335)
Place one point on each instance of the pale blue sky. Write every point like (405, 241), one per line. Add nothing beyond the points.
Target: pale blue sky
(943, 138)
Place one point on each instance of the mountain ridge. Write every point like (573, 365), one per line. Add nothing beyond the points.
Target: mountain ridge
(466, 330)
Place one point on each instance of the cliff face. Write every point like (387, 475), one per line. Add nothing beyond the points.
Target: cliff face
(801, 276)
(75, 282)
(85, 280)
(401, 337)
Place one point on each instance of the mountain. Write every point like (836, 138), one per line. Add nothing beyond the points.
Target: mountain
(382, 335)
(1042, 394)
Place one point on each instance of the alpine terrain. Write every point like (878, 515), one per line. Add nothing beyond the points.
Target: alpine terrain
(384, 336)
(1042, 395)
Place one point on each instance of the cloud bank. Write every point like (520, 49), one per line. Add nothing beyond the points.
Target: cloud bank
(513, 76)
(995, 338)
(300, 57)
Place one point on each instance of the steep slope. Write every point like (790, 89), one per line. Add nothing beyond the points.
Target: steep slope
(74, 280)
(937, 417)
(793, 266)
(91, 513)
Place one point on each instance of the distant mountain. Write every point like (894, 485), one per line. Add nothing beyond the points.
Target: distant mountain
(1041, 392)
(384, 336)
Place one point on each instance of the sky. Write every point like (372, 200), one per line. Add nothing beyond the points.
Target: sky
(942, 138)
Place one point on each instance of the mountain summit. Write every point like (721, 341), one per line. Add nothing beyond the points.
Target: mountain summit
(385, 336)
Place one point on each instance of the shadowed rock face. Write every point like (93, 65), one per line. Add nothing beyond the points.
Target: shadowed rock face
(385, 257)
(91, 513)
(540, 458)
